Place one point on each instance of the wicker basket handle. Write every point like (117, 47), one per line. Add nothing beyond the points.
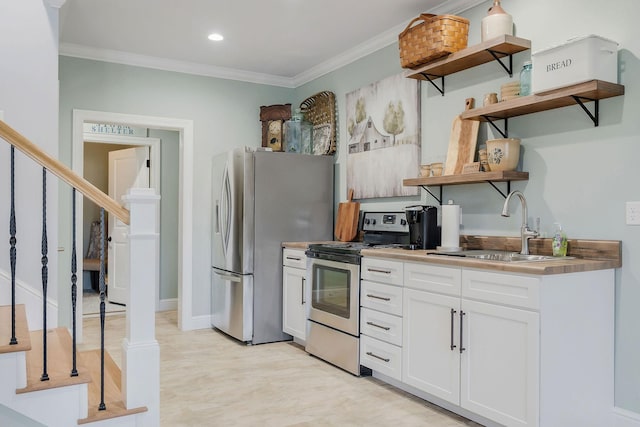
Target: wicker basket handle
(423, 17)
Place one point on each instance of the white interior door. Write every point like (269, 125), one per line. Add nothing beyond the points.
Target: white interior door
(127, 168)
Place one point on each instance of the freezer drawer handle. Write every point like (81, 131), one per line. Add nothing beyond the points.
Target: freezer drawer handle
(377, 297)
(230, 278)
(386, 328)
(378, 357)
(375, 270)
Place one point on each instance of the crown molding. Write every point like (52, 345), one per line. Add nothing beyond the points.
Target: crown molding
(55, 3)
(372, 45)
(126, 58)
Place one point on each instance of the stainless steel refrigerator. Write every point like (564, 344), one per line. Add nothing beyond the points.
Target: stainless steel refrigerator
(261, 199)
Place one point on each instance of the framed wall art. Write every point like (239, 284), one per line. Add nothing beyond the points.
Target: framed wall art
(384, 144)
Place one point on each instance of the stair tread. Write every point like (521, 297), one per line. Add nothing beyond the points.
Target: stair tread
(59, 362)
(22, 330)
(112, 388)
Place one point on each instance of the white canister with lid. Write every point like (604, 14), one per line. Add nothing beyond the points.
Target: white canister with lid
(496, 23)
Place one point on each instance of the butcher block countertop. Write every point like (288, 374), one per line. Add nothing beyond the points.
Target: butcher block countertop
(589, 255)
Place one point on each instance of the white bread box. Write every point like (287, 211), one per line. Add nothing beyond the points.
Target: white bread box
(576, 61)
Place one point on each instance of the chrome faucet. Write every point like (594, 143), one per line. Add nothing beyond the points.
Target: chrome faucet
(525, 232)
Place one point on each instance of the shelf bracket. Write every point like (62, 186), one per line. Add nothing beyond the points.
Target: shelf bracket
(500, 191)
(428, 77)
(495, 54)
(595, 116)
(425, 188)
(505, 133)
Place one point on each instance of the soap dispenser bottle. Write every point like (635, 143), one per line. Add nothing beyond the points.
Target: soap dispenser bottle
(559, 243)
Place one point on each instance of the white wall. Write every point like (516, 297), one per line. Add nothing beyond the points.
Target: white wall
(579, 175)
(29, 99)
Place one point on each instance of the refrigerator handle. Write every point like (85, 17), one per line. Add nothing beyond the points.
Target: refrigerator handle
(226, 198)
(217, 221)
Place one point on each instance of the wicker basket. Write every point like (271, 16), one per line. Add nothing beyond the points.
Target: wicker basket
(320, 110)
(436, 36)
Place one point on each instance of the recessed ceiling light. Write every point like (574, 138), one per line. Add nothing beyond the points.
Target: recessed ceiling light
(216, 37)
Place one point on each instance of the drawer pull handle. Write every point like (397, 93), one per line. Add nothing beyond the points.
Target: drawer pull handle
(377, 297)
(294, 258)
(386, 328)
(302, 301)
(377, 357)
(375, 270)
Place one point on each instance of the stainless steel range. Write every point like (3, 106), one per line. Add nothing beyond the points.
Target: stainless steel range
(333, 330)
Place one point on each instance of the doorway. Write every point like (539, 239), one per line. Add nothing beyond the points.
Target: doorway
(185, 195)
(99, 152)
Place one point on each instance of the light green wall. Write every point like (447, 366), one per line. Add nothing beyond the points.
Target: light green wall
(225, 115)
(169, 142)
(579, 175)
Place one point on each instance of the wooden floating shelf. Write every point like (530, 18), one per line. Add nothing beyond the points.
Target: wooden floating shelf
(469, 178)
(563, 97)
(471, 57)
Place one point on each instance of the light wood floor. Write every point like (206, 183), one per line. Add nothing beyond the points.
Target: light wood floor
(207, 379)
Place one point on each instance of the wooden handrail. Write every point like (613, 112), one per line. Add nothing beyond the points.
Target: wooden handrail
(63, 172)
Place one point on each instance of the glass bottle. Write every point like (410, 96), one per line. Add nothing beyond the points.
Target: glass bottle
(298, 134)
(525, 79)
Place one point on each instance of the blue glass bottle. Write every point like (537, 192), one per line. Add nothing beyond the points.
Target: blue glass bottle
(525, 79)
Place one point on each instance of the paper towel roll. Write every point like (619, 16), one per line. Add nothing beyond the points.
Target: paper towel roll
(450, 226)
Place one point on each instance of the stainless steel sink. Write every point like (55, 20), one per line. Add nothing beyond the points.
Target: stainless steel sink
(505, 256)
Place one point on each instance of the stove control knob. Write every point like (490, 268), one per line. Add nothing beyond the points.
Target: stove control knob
(373, 222)
(366, 221)
(403, 222)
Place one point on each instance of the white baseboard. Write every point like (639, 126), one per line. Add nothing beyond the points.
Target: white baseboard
(168, 304)
(32, 299)
(624, 418)
(200, 322)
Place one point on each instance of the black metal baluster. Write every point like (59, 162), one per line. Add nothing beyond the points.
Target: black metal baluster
(74, 280)
(12, 250)
(45, 275)
(102, 406)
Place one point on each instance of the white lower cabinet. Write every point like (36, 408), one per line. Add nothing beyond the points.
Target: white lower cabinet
(508, 349)
(499, 363)
(294, 305)
(430, 357)
(381, 316)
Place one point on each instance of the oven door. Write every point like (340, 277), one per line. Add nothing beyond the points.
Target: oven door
(335, 294)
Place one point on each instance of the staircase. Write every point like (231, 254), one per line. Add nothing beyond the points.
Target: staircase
(43, 379)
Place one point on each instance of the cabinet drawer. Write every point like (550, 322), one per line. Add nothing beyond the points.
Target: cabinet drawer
(382, 270)
(509, 289)
(383, 326)
(381, 297)
(426, 277)
(294, 258)
(381, 357)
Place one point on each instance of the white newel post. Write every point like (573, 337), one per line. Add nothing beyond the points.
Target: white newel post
(140, 350)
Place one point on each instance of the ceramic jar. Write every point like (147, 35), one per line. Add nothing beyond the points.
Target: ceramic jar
(496, 23)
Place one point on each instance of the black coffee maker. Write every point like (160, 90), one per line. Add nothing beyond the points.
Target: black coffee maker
(424, 232)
